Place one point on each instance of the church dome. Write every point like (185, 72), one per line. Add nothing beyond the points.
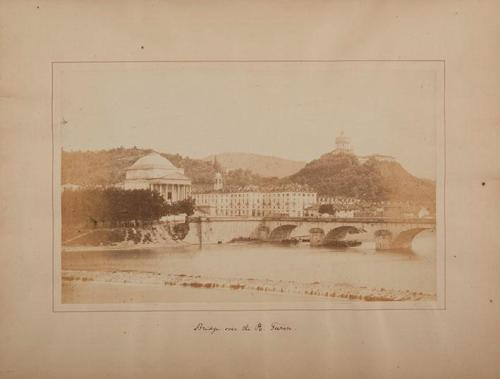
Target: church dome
(152, 161)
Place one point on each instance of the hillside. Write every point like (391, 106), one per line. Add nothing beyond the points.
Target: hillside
(374, 180)
(262, 165)
(331, 174)
(107, 167)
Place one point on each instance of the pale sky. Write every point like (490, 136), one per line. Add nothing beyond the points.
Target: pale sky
(289, 110)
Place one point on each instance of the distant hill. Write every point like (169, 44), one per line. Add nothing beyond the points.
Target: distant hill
(374, 180)
(262, 165)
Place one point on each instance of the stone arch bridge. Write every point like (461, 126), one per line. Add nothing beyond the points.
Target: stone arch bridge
(387, 233)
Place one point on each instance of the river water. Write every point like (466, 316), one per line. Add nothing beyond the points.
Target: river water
(357, 266)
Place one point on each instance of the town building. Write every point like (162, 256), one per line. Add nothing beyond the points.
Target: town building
(255, 203)
(344, 213)
(340, 201)
(157, 173)
(423, 213)
(70, 187)
(377, 157)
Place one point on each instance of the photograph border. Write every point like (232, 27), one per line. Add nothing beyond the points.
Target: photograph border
(438, 304)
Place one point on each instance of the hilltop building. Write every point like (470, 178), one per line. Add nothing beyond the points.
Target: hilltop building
(157, 173)
(377, 157)
(343, 146)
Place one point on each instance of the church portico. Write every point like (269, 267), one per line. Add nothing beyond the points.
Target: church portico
(158, 174)
(172, 192)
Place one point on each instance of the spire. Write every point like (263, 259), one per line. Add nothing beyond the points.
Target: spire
(216, 165)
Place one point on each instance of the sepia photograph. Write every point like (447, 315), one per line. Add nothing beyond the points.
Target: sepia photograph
(249, 184)
(249, 189)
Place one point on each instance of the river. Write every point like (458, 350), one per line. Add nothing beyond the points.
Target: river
(360, 266)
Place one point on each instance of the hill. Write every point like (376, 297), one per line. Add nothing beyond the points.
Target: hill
(331, 175)
(374, 180)
(262, 165)
(107, 167)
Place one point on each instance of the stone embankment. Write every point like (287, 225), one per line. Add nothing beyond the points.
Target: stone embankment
(161, 234)
(325, 290)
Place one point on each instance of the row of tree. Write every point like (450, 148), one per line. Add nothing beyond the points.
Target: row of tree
(114, 206)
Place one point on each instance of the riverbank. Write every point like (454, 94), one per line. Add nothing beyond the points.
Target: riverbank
(125, 238)
(165, 286)
(127, 247)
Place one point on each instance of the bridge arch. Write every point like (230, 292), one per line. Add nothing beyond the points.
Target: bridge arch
(404, 239)
(281, 232)
(340, 232)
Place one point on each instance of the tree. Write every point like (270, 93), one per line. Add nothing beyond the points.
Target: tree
(327, 208)
(183, 206)
(114, 205)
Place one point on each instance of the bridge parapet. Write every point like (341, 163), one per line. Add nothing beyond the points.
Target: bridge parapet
(362, 220)
(358, 220)
(387, 233)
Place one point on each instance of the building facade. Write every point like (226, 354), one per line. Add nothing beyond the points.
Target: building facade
(157, 173)
(255, 204)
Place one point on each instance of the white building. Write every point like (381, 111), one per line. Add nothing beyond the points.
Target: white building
(255, 204)
(377, 157)
(344, 213)
(157, 173)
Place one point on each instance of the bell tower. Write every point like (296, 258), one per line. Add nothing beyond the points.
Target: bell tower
(219, 180)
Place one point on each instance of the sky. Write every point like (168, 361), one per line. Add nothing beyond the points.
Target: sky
(291, 110)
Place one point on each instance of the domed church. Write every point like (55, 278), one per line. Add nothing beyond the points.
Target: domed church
(157, 173)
